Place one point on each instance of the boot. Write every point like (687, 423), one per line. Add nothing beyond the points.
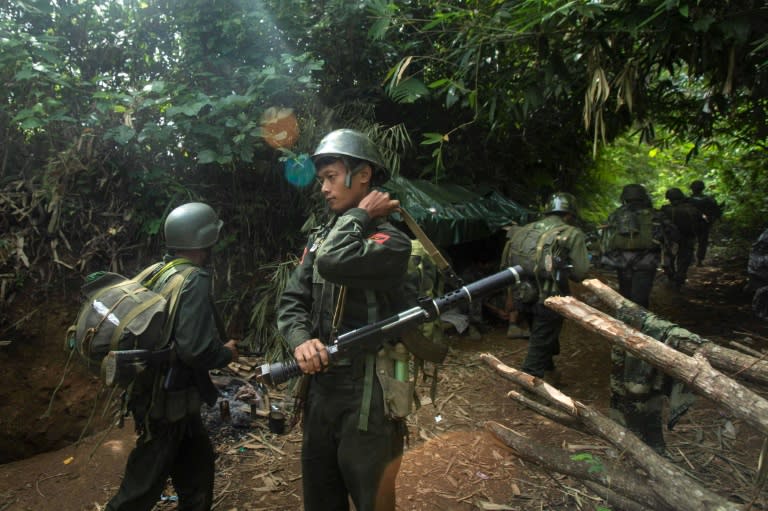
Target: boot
(515, 332)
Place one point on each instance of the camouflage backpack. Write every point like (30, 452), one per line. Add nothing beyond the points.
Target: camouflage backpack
(628, 229)
(539, 248)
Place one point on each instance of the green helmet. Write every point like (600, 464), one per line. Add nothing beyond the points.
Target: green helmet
(561, 202)
(192, 226)
(352, 144)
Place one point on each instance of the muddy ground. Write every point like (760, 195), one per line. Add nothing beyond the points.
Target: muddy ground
(452, 463)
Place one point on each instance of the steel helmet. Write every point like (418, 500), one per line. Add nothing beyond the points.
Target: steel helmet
(353, 144)
(191, 226)
(697, 186)
(561, 202)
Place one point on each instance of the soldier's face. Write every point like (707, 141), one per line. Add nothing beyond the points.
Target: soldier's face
(332, 177)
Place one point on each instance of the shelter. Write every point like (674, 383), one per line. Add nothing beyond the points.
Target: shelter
(451, 214)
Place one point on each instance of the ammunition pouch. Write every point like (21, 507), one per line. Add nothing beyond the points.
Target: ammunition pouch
(393, 372)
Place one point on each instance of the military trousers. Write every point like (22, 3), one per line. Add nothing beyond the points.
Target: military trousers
(339, 460)
(636, 284)
(179, 449)
(702, 242)
(544, 340)
(683, 260)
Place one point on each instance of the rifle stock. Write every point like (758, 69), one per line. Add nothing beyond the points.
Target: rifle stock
(368, 338)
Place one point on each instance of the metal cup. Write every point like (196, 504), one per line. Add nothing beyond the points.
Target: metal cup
(276, 422)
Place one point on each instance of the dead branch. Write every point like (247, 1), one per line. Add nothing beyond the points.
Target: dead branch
(694, 371)
(670, 484)
(732, 362)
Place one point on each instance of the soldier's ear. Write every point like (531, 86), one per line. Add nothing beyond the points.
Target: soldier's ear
(365, 174)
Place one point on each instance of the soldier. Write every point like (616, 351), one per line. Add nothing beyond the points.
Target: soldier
(632, 243)
(351, 274)
(172, 438)
(687, 219)
(711, 212)
(552, 251)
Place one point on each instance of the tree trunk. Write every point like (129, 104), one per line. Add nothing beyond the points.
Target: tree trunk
(668, 484)
(732, 362)
(695, 371)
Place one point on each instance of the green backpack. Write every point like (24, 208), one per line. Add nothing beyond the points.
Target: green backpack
(424, 281)
(538, 248)
(628, 229)
(126, 314)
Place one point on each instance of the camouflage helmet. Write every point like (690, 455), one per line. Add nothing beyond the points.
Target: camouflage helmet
(697, 186)
(674, 194)
(561, 202)
(634, 192)
(194, 225)
(352, 144)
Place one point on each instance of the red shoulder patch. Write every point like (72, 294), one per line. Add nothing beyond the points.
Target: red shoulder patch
(379, 237)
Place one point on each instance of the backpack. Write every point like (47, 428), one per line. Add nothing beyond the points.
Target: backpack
(423, 280)
(538, 248)
(126, 314)
(628, 229)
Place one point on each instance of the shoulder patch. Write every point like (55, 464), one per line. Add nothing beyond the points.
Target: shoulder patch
(379, 237)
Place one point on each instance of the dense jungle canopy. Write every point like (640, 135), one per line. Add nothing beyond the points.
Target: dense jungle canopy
(115, 111)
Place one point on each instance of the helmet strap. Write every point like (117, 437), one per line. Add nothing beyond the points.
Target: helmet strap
(352, 171)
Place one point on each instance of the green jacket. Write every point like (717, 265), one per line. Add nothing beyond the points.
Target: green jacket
(369, 257)
(198, 348)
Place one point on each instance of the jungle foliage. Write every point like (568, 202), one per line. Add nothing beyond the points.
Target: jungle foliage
(115, 111)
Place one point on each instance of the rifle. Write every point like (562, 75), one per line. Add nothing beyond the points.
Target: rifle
(368, 338)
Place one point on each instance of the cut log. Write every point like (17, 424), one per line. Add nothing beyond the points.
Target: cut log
(669, 483)
(694, 371)
(621, 479)
(732, 362)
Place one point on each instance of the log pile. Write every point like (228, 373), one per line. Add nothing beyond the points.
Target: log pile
(650, 481)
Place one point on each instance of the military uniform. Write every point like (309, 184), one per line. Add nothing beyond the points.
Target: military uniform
(711, 211)
(636, 267)
(545, 324)
(172, 438)
(687, 220)
(633, 241)
(349, 440)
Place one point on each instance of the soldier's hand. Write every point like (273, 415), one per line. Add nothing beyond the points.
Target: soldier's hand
(378, 204)
(231, 345)
(311, 356)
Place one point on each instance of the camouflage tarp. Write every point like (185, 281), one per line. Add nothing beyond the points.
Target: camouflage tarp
(452, 214)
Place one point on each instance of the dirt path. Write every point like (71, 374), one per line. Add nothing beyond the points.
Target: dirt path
(452, 463)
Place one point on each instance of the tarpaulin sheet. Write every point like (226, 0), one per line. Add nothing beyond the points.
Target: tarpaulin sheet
(451, 214)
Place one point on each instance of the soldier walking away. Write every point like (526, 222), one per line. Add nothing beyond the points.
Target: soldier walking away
(351, 274)
(711, 212)
(165, 402)
(553, 252)
(687, 219)
(632, 243)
